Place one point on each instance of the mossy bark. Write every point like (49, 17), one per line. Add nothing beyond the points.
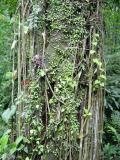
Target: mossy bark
(67, 39)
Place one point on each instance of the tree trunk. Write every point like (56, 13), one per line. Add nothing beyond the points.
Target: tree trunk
(61, 55)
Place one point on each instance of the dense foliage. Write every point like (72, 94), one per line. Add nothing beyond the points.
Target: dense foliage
(5, 59)
(112, 54)
(43, 91)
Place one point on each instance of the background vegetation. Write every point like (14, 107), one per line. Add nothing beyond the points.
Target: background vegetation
(112, 101)
(111, 138)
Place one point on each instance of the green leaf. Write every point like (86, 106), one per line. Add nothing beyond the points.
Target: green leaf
(103, 77)
(97, 82)
(26, 140)
(4, 156)
(112, 129)
(13, 110)
(97, 61)
(94, 43)
(42, 73)
(92, 51)
(102, 84)
(51, 101)
(7, 132)
(26, 149)
(6, 115)
(20, 148)
(8, 75)
(18, 140)
(97, 35)
(4, 140)
(87, 113)
(13, 148)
